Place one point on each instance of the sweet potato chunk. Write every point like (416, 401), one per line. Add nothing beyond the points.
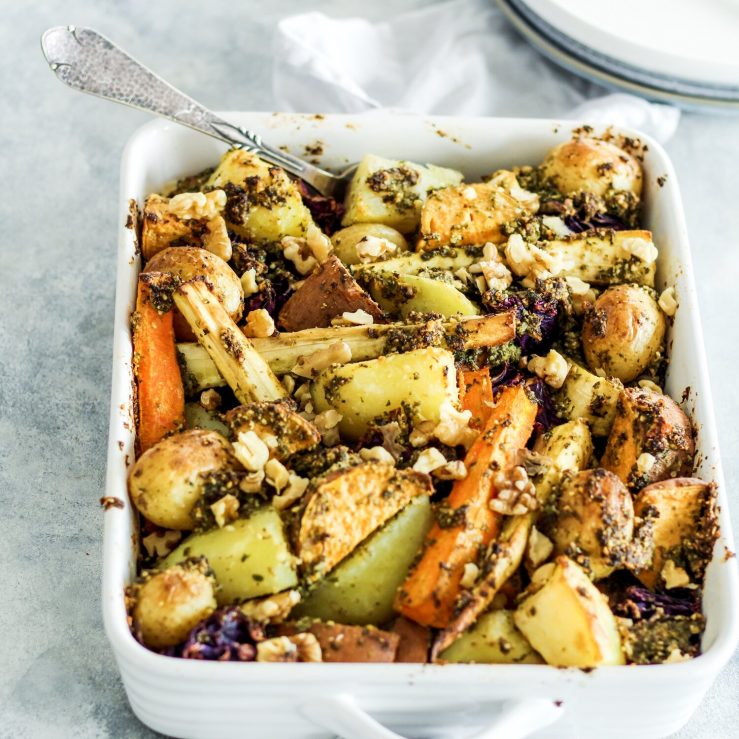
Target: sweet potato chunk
(341, 643)
(327, 293)
(347, 506)
(651, 439)
(467, 214)
(414, 640)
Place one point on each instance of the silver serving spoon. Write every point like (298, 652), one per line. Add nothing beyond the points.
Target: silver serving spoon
(84, 60)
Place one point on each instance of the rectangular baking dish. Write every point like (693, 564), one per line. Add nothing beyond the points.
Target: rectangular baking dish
(186, 698)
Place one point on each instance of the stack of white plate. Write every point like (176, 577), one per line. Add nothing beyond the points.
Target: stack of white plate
(684, 52)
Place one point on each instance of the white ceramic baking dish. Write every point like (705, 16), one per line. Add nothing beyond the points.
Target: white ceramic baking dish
(185, 698)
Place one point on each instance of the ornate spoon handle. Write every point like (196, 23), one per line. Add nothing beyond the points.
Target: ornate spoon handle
(86, 61)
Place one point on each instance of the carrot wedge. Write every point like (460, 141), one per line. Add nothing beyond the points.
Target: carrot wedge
(476, 389)
(161, 396)
(429, 592)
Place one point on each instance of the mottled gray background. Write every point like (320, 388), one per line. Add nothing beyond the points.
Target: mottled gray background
(60, 153)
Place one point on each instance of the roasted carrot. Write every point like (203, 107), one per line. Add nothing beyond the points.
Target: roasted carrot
(161, 396)
(477, 395)
(429, 592)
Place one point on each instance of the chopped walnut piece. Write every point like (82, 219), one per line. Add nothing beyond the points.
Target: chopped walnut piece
(252, 483)
(309, 648)
(259, 324)
(649, 385)
(421, 433)
(161, 545)
(311, 364)
(296, 250)
(358, 318)
(225, 510)
(429, 460)
(668, 302)
(191, 205)
(373, 248)
(318, 243)
(377, 454)
(515, 493)
(216, 240)
(470, 575)
(640, 248)
(453, 428)
(276, 474)
(277, 649)
(553, 368)
(644, 462)
(272, 609)
(455, 470)
(328, 425)
(249, 282)
(674, 576)
(538, 549)
(251, 451)
(296, 486)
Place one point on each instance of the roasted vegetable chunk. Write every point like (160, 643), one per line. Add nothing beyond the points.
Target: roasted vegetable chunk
(392, 192)
(326, 294)
(585, 395)
(287, 431)
(682, 516)
(361, 589)
(651, 439)
(249, 557)
(347, 506)
(567, 620)
(467, 214)
(342, 643)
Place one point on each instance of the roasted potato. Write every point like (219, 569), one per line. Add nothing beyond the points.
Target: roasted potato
(467, 214)
(494, 639)
(287, 431)
(368, 242)
(651, 439)
(587, 396)
(361, 589)
(169, 603)
(414, 642)
(345, 643)
(198, 417)
(263, 203)
(681, 513)
(188, 262)
(594, 520)
(392, 192)
(249, 557)
(594, 166)
(345, 507)
(167, 480)
(624, 332)
(566, 618)
(189, 219)
(326, 294)
(422, 379)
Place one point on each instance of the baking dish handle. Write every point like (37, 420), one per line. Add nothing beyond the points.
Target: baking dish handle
(517, 719)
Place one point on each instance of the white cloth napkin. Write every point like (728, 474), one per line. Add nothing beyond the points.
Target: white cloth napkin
(452, 58)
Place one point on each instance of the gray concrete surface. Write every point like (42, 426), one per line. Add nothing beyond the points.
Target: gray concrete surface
(60, 154)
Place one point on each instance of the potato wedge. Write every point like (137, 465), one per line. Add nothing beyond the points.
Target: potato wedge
(467, 214)
(682, 515)
(263, 203)
(494, 639)
(566, 618)
(361, 589)
(585, 395)
(651, 439)
(325, 294)
(405, 293)
(345, 507)
(423, 379)
(292, 433)
(392, 192)
(346, 643)
(249, 557)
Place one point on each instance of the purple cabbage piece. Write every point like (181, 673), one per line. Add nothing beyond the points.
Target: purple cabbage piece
(640, 602)
(326, 211)
(226, 635)
(272, 296)
(599, 220)
(546, 415)
(537, 313)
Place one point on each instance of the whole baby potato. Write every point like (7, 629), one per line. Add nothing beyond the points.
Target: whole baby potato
(167, 480)
(592, 165)
(595, 516)
(624, 332)
(348, 239)
(188, 262)
(169, 604)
